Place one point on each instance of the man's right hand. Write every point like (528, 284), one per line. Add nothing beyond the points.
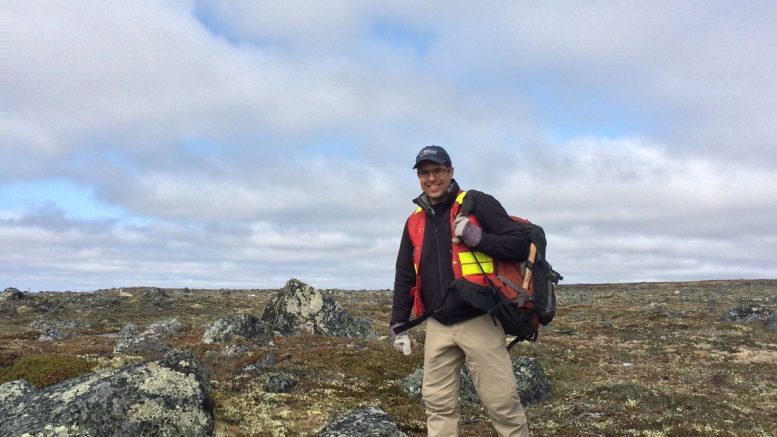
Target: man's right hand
(402, 343)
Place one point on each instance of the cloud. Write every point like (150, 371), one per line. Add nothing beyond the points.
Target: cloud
(240, 144)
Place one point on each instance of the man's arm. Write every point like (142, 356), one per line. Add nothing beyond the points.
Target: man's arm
(502, 238)
(404, 280)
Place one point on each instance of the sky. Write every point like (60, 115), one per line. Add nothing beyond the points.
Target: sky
(238, 144)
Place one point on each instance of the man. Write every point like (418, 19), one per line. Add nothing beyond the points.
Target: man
(430, 259)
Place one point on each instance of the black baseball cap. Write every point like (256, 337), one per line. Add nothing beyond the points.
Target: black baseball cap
(432, 153)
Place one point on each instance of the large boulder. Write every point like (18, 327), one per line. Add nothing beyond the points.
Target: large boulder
(165, 397)
(365, 422)
(299, 308)
(533, 385)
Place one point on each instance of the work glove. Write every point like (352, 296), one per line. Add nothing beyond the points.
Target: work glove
(402, 342)
(466, 231)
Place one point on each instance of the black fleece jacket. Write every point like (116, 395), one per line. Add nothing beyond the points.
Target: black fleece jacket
(501, 239)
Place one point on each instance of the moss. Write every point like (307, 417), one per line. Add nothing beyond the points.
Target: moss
(43, 370)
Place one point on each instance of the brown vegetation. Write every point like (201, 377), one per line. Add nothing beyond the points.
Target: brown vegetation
(649, 359)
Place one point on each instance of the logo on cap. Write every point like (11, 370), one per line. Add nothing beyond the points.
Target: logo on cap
(427, 152)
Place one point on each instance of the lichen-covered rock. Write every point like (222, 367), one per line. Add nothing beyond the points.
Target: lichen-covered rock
(54, 334)
(279, 383)
(143, 345)
(747, 313)
(11, 293)
(166, 327)
(47, 306)
(12, 390)
(365, 422)
(128, 330)
(533, 385)
(165, 397)
(234, 350)
(269, 361)
(300, 308)
(155, 294)
(232, 327)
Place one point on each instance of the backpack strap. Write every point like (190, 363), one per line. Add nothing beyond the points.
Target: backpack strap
(469, 202)
(420, 319)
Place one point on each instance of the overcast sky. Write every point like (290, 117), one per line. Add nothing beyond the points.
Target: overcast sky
(242, 143)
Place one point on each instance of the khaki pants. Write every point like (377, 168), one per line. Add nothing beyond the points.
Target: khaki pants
(481, 344)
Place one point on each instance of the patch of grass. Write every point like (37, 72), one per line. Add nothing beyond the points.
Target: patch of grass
(43, 370)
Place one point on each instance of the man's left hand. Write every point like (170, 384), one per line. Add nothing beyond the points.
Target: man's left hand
(466, 231)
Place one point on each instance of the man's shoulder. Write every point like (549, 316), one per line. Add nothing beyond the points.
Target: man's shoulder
(480, 195)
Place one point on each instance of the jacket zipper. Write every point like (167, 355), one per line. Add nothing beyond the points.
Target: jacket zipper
(439, 255)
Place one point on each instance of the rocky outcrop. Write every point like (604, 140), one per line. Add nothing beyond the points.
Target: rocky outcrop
(365, 422)
(164, 397)
(300, 308)
(533, 385)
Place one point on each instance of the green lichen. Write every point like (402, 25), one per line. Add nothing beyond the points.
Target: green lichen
(165, 382)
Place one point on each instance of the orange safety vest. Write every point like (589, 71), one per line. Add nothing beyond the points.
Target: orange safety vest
(464, 260)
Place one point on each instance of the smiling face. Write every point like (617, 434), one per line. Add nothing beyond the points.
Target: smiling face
(435, 179)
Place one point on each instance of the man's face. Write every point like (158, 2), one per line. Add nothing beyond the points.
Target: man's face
(435, 179)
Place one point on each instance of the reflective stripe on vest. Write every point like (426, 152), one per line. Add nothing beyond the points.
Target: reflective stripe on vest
(475, 263)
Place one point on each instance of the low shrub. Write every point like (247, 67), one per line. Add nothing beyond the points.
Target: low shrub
(43, 370)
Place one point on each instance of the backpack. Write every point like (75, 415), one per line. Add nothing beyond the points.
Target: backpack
(522, 295)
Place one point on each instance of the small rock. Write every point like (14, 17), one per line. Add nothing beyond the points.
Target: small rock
(128, 330)
(155, 294)
(267, 362)
(167, 327)
(365, 422)
(145, 346)
(533, 385)
(234, 350)
(749, 313)
(279, 383)
(54, 334)
(235, 326)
